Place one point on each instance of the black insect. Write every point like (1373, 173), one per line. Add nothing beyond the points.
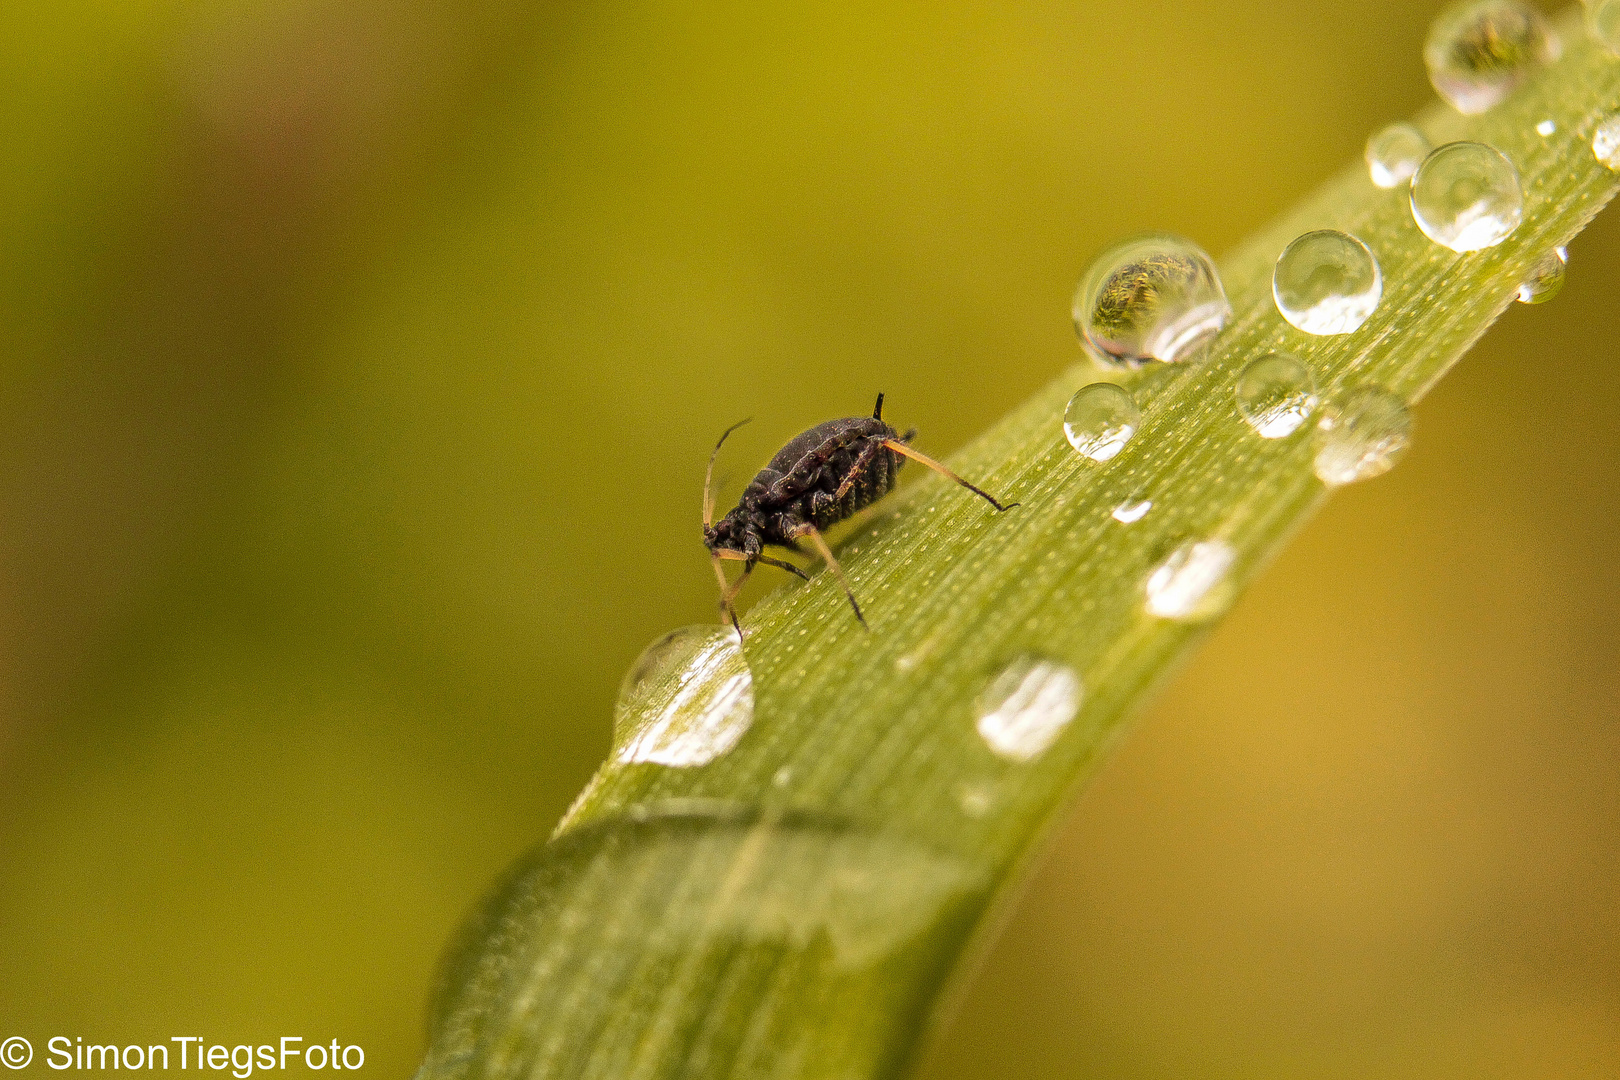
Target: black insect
(818, 479)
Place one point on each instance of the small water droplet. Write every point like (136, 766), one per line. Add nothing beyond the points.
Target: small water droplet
(686, 700)
(975, 800)
(1603, 23)
(1276, 394)
(1100, 419)
(1362, 436)
(1326, 282)
(1466, 196)
(1155, 297)
(1131, 511)
(1546, 128)
(1606, 142)
(1394, 154)
(1480, 51)
(1192, 582)
(1546, 279)
(1027, 706)
(782, 776)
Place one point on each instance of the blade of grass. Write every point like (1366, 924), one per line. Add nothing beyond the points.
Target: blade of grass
(781, 862)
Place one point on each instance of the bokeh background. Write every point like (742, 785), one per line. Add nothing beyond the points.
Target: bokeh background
(358, 363)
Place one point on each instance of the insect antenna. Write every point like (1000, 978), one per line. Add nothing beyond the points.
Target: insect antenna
(708, 474)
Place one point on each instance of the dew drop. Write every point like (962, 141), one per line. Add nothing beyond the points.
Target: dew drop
(1326, 282)
(1546, 128)
(1466, 196)
(1192, 582)
(1027, 706)
(1276, 394)
(1131, 511)
(1546, 279)
(1362, 436)
(1480, 51)
(687, 699)
(975, 800)
(1603, 22)
(1606, 142)
(1394, 154)
(1100, 419)
(1155, 297)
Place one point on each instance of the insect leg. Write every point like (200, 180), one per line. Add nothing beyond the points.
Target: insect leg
(916, 455)
(728, 589)
(863, 462)
(812, 534)
(780, 565)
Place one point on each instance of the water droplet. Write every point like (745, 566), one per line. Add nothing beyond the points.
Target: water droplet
(1466, 196)
(1131, 511)
(1276, 394)
(1546, 279)
(1394, 154)
(1193, 582)
(686, 700)
(1326, 282)
(1603, 22)
(1478, 52)
(1026, 707)
(1546, 128)
(781, 777)
(1100, 419)
(1606, 142)
(1154, 297)
(1362, 436)
(975, 800)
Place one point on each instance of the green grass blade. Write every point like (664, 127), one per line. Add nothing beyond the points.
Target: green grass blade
(782, 861)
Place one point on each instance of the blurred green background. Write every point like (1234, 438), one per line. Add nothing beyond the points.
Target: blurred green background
(360, 360)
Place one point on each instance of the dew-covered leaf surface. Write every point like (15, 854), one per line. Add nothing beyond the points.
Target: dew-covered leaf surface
(787, 851)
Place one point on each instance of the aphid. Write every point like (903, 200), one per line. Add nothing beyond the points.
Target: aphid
(818, 479)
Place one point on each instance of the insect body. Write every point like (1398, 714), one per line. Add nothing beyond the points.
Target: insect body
(818, 479)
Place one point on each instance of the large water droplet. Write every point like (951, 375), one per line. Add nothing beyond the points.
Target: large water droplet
(1394, 154)
(1276, 394)
(1603, 22)
(1362, 436)
(1132, 510)
(1326, 282)
(1153, 297)
(686, 700)
(1466, 196)
(1546, 279)
(1606, 142)
(1480, 51)
(1027, 706)
(1192, 582)
(1100, 420)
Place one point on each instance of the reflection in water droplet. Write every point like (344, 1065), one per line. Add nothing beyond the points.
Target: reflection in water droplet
(1276, 394)
(1192, 583)
(1027, 705)
(1362, 436)
(1132, 510)
(1100, 419)
(686, 700)
(1546, 128)
(1394, 154)
(1606, 142)
(1326, 282)
(1155, 297)
(1466, 196)
(1603, 22)
(1546, 279)
(1480, 51)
